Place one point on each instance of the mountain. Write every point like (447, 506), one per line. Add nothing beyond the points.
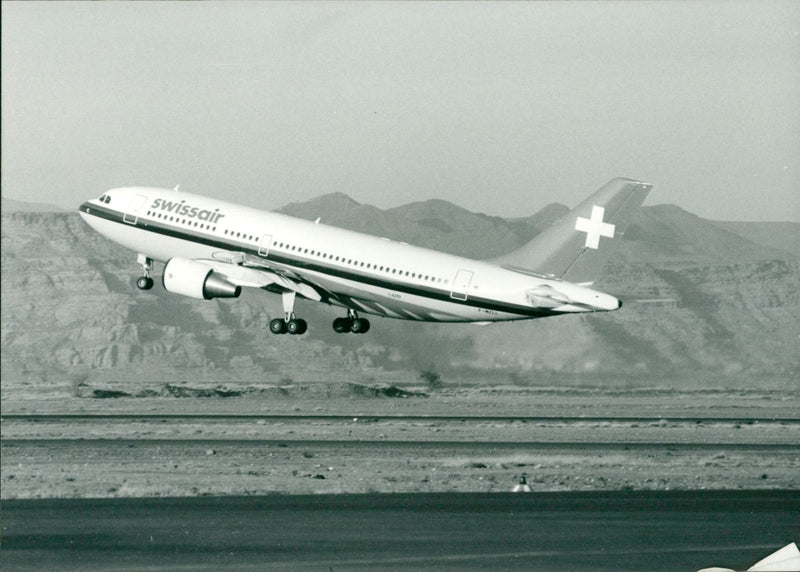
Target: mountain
(13, 206)
(704, 305)
(670, 235)
(432, 224)
(781, 235)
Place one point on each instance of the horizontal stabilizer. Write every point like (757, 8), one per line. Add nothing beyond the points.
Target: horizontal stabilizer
(577, 246)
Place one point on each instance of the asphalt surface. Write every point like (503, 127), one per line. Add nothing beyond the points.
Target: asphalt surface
(633, 530)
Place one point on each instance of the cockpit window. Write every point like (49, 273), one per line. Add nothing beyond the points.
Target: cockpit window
(104, 199)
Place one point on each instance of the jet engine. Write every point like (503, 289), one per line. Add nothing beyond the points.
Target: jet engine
(197, 280)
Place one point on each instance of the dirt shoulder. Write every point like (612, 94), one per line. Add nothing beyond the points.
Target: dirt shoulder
(700, 440)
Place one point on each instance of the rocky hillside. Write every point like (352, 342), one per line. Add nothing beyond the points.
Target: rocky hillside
(704, 305)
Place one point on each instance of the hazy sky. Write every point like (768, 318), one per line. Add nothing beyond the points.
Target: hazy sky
(499, 107)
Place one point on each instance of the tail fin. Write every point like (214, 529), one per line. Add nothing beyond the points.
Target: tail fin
(576, 247)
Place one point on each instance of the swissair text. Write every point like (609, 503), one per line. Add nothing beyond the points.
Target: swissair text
(182, 209)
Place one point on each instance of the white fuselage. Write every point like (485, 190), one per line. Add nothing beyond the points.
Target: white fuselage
(350, 269)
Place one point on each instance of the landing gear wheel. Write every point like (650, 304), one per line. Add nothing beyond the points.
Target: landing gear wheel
(278, 326)
(359, 326)
(144, 283)
(341, 325)
(352, 324)
(297, 327)
(290, 324)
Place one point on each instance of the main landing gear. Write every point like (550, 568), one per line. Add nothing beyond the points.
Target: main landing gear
(144, 282)
(352, 323)
(289, 324)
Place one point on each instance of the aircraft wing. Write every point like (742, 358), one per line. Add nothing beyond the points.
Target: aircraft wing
(246, 270)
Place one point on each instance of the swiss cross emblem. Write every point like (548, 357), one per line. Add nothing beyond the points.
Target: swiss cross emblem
(594, 227)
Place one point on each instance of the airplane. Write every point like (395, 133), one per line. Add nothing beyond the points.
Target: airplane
(212, 249)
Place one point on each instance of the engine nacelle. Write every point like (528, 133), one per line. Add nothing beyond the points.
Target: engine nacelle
(197, 280)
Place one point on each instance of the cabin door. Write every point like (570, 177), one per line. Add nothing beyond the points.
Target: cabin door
(132, 214)
(461, 284)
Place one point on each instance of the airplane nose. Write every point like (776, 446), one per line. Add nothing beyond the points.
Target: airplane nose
(619, 304)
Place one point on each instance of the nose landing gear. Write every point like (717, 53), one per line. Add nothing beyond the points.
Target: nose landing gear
(144, 282)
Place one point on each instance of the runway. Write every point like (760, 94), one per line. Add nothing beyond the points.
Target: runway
(393, 418)
(627, 530)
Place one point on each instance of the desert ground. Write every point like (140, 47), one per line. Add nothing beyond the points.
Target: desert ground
(346, 438)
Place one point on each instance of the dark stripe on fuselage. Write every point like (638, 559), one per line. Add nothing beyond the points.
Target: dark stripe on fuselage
(307, 264)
